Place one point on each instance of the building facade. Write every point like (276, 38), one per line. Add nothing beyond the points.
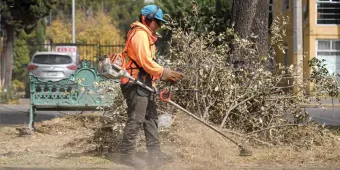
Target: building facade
(320, 30)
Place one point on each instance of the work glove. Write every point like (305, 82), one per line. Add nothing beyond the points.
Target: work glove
(171, 76)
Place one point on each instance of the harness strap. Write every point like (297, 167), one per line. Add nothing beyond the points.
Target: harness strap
(127, 58)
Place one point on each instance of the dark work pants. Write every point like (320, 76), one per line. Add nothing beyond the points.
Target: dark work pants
(142, 112)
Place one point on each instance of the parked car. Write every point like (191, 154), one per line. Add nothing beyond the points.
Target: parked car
(51, 66)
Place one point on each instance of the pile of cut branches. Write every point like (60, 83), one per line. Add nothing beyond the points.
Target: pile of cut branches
(247, 94)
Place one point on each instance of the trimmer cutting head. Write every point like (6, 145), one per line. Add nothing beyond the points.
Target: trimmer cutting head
(245, 152)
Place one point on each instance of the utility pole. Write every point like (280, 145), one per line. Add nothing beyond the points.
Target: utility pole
(51, 37)
(73, 22)
(297, 44)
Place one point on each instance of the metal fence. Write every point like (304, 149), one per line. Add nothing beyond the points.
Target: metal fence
(90, 51)
(86, 51)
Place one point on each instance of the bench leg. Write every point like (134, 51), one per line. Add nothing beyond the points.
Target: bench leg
(31, 117)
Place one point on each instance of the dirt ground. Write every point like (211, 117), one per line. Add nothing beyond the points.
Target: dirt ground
(64, 144)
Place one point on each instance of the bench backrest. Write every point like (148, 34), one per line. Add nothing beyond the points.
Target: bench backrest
(85, 88)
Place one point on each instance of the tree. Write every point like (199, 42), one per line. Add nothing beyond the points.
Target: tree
(25, 45)
(223, 14)
(21, 56)
(121, 12)
(211, 15)
(95, 28)
(17, 15)
(124, 12)
(250, 21)
(36, 39)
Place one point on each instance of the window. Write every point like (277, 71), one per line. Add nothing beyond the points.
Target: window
(285, 5)
(52, 59)
(328, 47)
(328, 11)
(270, 15)
(329, 50)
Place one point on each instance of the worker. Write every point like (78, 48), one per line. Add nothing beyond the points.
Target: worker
(142, 110)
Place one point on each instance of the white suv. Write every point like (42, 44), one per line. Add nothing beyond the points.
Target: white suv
(52, 66)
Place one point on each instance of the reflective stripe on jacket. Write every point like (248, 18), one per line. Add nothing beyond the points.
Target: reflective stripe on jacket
(141, 49)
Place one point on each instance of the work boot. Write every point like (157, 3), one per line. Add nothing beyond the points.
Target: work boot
(157, 159)
(132, 160)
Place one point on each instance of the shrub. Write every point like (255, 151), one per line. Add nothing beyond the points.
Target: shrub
(9, 95)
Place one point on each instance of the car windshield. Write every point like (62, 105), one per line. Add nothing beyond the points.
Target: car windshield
(52, 59)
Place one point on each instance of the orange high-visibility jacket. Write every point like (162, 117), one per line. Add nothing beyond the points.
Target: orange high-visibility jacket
(140, 48)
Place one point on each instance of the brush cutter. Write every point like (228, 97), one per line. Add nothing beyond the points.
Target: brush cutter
(113, 71)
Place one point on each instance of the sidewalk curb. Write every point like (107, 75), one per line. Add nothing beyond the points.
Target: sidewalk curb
(317, 105)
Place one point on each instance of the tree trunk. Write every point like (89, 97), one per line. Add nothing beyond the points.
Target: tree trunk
(250, 17)
(3, 60)
(260, 26)
(243, 13)
(9, 55)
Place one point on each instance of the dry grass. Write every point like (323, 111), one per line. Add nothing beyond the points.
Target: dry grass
(67, 142)
(201, 147)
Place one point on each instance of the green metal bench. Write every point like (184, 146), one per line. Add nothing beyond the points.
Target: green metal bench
(80, 92)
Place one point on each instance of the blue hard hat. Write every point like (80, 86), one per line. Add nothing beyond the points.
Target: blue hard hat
(153, 11)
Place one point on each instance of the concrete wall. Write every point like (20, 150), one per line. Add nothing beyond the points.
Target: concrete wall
(311, 31)
(288, 39)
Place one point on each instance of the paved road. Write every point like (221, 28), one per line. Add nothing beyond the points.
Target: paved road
(15, 114)
(329, 115)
